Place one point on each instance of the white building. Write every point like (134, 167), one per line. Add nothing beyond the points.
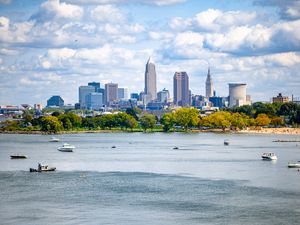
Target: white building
(237, 94)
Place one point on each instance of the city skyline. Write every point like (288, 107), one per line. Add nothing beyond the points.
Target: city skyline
(52, 47)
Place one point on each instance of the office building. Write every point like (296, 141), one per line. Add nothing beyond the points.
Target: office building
(122, 93)
(96, 85)
(208, 85)
(111, 93)
(94, 101)
(181, 89)
(219, 102)
(134, 96)
(163, 96)
(55, 100)
(237, 95)
(280, 98)
(150, 80)
(83, 92)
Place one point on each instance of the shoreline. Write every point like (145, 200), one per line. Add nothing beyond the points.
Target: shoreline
(283, 130)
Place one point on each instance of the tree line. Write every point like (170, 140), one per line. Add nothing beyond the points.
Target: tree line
(258, 115)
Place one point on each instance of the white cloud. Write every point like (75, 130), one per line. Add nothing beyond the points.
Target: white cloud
(107, 13)
(149, 2)
(178, 23)
(54, 9)
(284, 59)
(4, 23)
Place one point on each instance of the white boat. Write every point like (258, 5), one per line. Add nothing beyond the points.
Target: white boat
(269, 156)
(66, 148)
(42, 168)
(293, 165)
(54, 139)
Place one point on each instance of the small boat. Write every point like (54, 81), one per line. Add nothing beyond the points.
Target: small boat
(226, 142)
(66, 148)
(113, 146)
(294, 165)
(18, 156)
(268, 156)
(54, 139)
(175, 148)
(42, 168)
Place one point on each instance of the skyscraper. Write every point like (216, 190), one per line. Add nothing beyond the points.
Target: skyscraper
(208, 85)
(111, 93)
(83, 92)
(122, 93)
(94, 101)
(181, 89)
(150, 79)
(95, 84)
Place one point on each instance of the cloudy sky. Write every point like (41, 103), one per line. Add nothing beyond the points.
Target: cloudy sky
(52, 47)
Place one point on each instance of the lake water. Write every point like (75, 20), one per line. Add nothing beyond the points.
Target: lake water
(145, 181)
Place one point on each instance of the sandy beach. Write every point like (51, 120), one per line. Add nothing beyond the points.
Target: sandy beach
(281, 130)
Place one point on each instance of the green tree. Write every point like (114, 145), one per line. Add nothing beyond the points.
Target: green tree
(147, 121)
(277, 121)
(186, 117)
(246, 109)
(262, 120)
(239, 121)
(221, 119)
(131, 122)
(132, 112)
(27, 118)
(168, 121)
(51, 124)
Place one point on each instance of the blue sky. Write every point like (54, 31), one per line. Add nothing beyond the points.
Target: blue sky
(52, 47)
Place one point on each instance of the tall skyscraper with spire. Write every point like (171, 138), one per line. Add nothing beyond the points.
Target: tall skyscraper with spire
(208, 85)
(150, 79)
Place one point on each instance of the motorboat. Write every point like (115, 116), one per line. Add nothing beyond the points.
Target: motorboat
(269, 156)
(54, 139)
(294, 165)
(17, 156)
(226, 142)
(66, 148)
(42, 168)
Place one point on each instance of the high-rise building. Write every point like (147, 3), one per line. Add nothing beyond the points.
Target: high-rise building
(111, 93)
(96, 85)
(181, 89)
(150, 79)
(94, 101)
(55, 100)
(122, 93)
(208, 85)
(163, 96)
(237, 94)
(83, 92)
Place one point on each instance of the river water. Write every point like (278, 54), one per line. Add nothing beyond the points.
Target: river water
(143, 180)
